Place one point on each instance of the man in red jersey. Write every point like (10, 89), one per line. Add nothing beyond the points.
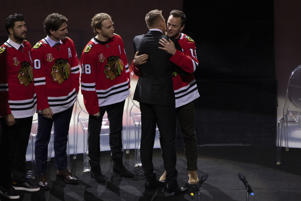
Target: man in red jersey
(105, 86)
(56, 81)
(183, 51)
(20, 102)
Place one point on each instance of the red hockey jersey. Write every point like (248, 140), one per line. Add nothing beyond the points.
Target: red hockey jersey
(17, 79)
(56, 74)
(105, 73)
(185, 89)
(3, 83)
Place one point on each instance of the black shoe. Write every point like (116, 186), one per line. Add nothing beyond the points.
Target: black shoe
(27, 186)
(152, 184)
(172, 189)
(191, 188)
(123, 172)
(96, 172)
(9, 193)
(99, 177)
(67, 177)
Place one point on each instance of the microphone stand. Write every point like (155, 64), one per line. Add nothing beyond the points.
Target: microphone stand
(248, 188)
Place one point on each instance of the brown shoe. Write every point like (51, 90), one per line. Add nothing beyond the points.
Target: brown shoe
(162, 179)
(193, 177)
(67, 177)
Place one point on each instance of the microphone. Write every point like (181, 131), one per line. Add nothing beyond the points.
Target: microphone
(246, 184)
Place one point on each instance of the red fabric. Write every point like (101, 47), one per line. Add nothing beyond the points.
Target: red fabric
(44, 58)
(94, 59)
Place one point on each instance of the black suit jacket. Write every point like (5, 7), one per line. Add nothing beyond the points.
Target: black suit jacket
(155, 82)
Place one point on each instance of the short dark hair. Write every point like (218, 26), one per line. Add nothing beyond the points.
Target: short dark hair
(53, 22)
(153, 17)
(11, 19)
(180, 14)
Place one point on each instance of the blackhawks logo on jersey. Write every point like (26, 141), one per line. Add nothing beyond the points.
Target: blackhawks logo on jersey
(114, 67)
(60, 70)
(189, 39)
(2, 49)
(25, 75)
(37, 45)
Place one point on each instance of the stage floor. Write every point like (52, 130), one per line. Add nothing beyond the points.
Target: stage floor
(222, 164)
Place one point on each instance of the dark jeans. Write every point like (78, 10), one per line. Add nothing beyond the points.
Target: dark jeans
(5, 173)
(185, 115)
(165, 117)
(18, 136)
(61, 123)
(115, 114)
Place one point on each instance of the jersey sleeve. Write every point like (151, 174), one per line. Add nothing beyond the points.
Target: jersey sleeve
(88, 81)
(133, 67)
(75, 66)
(39, 75)
(186, 59)
(4, 106)
(27, 44)
(123, 57)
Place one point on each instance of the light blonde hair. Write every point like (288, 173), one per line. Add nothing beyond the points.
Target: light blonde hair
(96, 22)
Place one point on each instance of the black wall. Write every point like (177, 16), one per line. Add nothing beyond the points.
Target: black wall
(128, 17)
(236, 75)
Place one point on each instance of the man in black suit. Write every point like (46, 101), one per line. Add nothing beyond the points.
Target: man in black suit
(154, 91)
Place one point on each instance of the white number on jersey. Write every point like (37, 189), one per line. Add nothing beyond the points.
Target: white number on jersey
(37, 64)
(86, 69)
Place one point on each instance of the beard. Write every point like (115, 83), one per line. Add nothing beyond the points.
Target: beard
(19, 38)
(107, 35)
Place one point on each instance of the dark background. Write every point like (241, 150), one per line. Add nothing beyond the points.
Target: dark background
(242, 47)
(128, 17)
(236, 74)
